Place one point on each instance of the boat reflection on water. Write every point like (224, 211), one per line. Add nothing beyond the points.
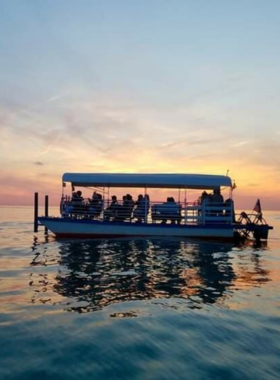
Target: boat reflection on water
(94, 274)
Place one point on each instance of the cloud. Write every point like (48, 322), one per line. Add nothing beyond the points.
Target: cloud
(38, 163)
(241, 143)
(56, 97)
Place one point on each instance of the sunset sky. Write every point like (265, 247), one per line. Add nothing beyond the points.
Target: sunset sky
(174, 86)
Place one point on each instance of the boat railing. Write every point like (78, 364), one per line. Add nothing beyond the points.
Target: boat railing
(217, 212)
(191, 213)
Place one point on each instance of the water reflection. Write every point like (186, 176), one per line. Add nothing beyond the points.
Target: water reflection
(111, 272)
(95, 274)
(250, 270)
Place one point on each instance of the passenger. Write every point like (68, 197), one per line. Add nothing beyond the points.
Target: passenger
(77, 198)
(112, 210)
(217, 196)
(165, 211)
(173, 210)
(217, 199)
(128, 205)
(125, 210)
(130, 199)
(139, 212)
(120, 216)
(77, 203)
(169, 210)
(96, 204)
(205, 197)
(94, 198)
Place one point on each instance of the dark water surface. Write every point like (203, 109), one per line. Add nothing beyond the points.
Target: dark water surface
(136, 308)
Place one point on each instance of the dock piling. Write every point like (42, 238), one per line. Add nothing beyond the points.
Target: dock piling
(36, 198)
(46, 210)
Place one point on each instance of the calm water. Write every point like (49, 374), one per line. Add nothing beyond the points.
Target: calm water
(136, 309)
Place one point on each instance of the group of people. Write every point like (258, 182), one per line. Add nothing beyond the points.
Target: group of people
(215, 197)
(119, 211)
(225, 208)
(76, 204)
(128, 209)
(77, 199)
(96, 204)
(125, 210)
(92, 206)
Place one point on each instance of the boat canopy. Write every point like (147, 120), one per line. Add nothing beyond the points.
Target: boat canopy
(167, 181)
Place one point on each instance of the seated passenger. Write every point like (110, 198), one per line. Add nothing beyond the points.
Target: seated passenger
(205, 197)
(127, 206)
(96, 204)
(112, 210)
(125, 210)
(173, 210)
(142, 207)
(130, 200)
(121, 214)
(76, 205)
(94, 199)
(168, 210)
(217, 196)
(77, 198)
(217, 200)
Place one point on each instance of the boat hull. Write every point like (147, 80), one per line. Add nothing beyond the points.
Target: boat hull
(80, 228)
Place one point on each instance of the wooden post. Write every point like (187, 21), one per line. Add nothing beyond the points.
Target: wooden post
(46, 210)
(36, 197)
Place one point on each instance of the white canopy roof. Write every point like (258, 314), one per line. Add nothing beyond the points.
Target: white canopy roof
(189, 181)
